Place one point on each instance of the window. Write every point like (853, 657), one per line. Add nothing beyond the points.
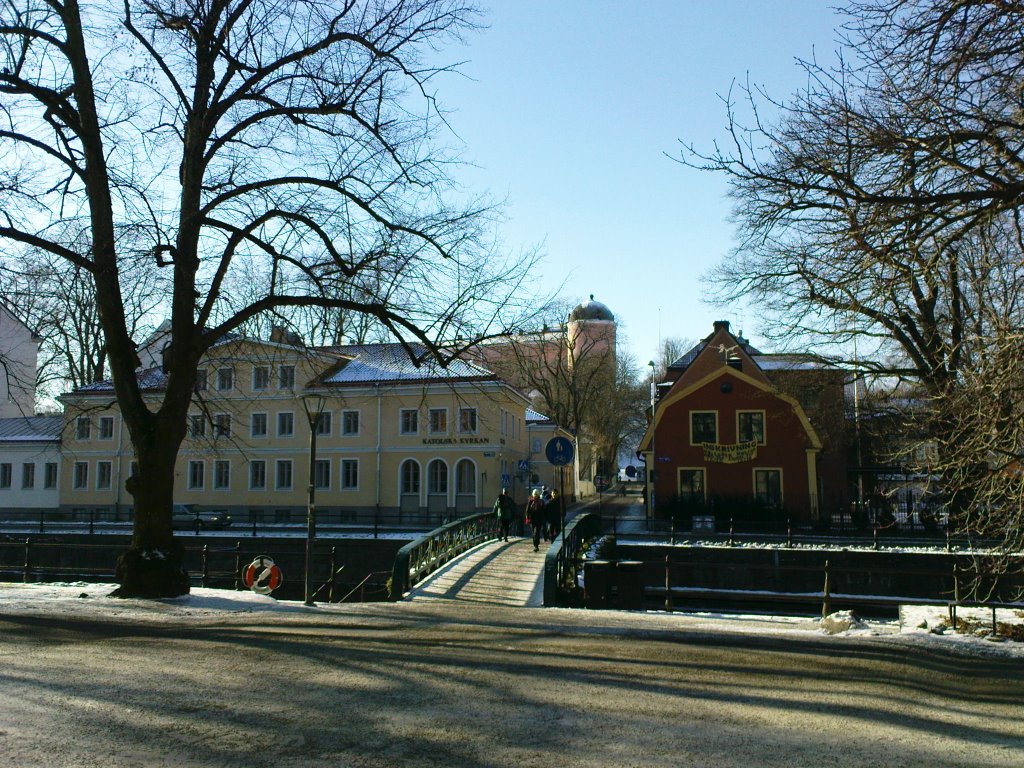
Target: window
(410, 477)
(222, 425)
(201, 380)
(438, 420)
(257, 474)
(5, 475)
(106, 427)
(322, 473)
(50, 475)
(350, 422)
(261, 377)
(437, 477)
(703, 427)
(197, 425)
(222, 474)
(465, 477)
(323, 423)
(196, 474)
(28, 475)
(750, 426)
(467, 420)
(83, 428)
(409, 421)
(258, 425)
(284, 475)
(225, 379)
(286, 377)
(350, 475)
(768, 486)
(80, 478)
(285, 424)
(691, 485)
(104, 475)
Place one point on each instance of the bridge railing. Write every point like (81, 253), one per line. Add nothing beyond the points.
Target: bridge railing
(565, 558)
(421, 557)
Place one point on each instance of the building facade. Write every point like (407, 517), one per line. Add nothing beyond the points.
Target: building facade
(19, 353)
(731, 434)
(394, 441)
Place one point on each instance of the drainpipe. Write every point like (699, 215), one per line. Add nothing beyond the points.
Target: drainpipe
(376, 388)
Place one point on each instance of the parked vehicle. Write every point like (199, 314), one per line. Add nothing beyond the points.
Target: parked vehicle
(185, 516)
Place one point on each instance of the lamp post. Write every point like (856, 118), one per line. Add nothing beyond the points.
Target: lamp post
(313, 404)
(654, 454)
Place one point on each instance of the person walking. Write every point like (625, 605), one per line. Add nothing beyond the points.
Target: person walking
(535, 517)
(553, 509)
(505, 509)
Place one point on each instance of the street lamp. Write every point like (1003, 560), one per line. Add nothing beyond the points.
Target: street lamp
(313, 404)
(654, 454)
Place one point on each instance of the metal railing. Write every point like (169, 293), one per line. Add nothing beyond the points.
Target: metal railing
(418, 559)
(565, 556)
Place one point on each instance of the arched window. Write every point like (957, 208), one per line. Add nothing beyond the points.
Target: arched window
(437, 477)
(437, 486)
(410, 477)
(465, 486)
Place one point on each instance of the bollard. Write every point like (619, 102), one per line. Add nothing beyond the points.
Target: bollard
(789, 532)
(596, 583)
(92, 521)
(875, 535)
(732, 541)
(28, 560)
(206, 565)
(238, 565)
(631, 586)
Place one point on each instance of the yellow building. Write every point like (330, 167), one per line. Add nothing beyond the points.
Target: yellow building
(395, 442)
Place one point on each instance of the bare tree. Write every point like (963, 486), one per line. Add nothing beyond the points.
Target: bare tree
(247, 138)
(57, 300)
(882, 204)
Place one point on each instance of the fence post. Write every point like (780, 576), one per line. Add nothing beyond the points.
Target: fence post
(92, 521)
(826, 602)
(789, 532)
(42, 520)
(28, 560)
(238, 565)
(206, 565)
(334, 565)
(956, 593)
(731, 531)
(668, 584)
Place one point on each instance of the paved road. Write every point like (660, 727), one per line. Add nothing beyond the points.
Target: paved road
(446, 683)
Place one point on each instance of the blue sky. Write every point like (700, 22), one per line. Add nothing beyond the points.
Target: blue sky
(570, 110)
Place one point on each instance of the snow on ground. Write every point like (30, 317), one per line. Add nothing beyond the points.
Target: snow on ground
(917, 626)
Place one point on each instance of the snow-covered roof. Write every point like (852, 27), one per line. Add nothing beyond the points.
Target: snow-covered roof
(533, 416)
(31, 429)
(149, 379)
(367, 363)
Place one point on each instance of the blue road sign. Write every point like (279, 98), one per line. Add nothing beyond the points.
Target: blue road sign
(559, 451)
(524, 465)
(506, 480)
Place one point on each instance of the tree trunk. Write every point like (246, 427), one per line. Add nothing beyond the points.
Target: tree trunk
(154, 566)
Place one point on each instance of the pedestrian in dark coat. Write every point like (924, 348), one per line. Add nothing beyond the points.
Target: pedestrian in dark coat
(554, 515)
(505, 509)
(536, 517)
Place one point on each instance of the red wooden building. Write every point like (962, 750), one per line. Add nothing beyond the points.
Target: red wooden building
(740, 433)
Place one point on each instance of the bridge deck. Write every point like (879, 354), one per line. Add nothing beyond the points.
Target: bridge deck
(508, 573)
(497, 573)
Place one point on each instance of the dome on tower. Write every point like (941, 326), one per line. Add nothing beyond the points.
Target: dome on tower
(591, 310)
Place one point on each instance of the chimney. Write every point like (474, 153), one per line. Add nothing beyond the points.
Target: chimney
(721, 325)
